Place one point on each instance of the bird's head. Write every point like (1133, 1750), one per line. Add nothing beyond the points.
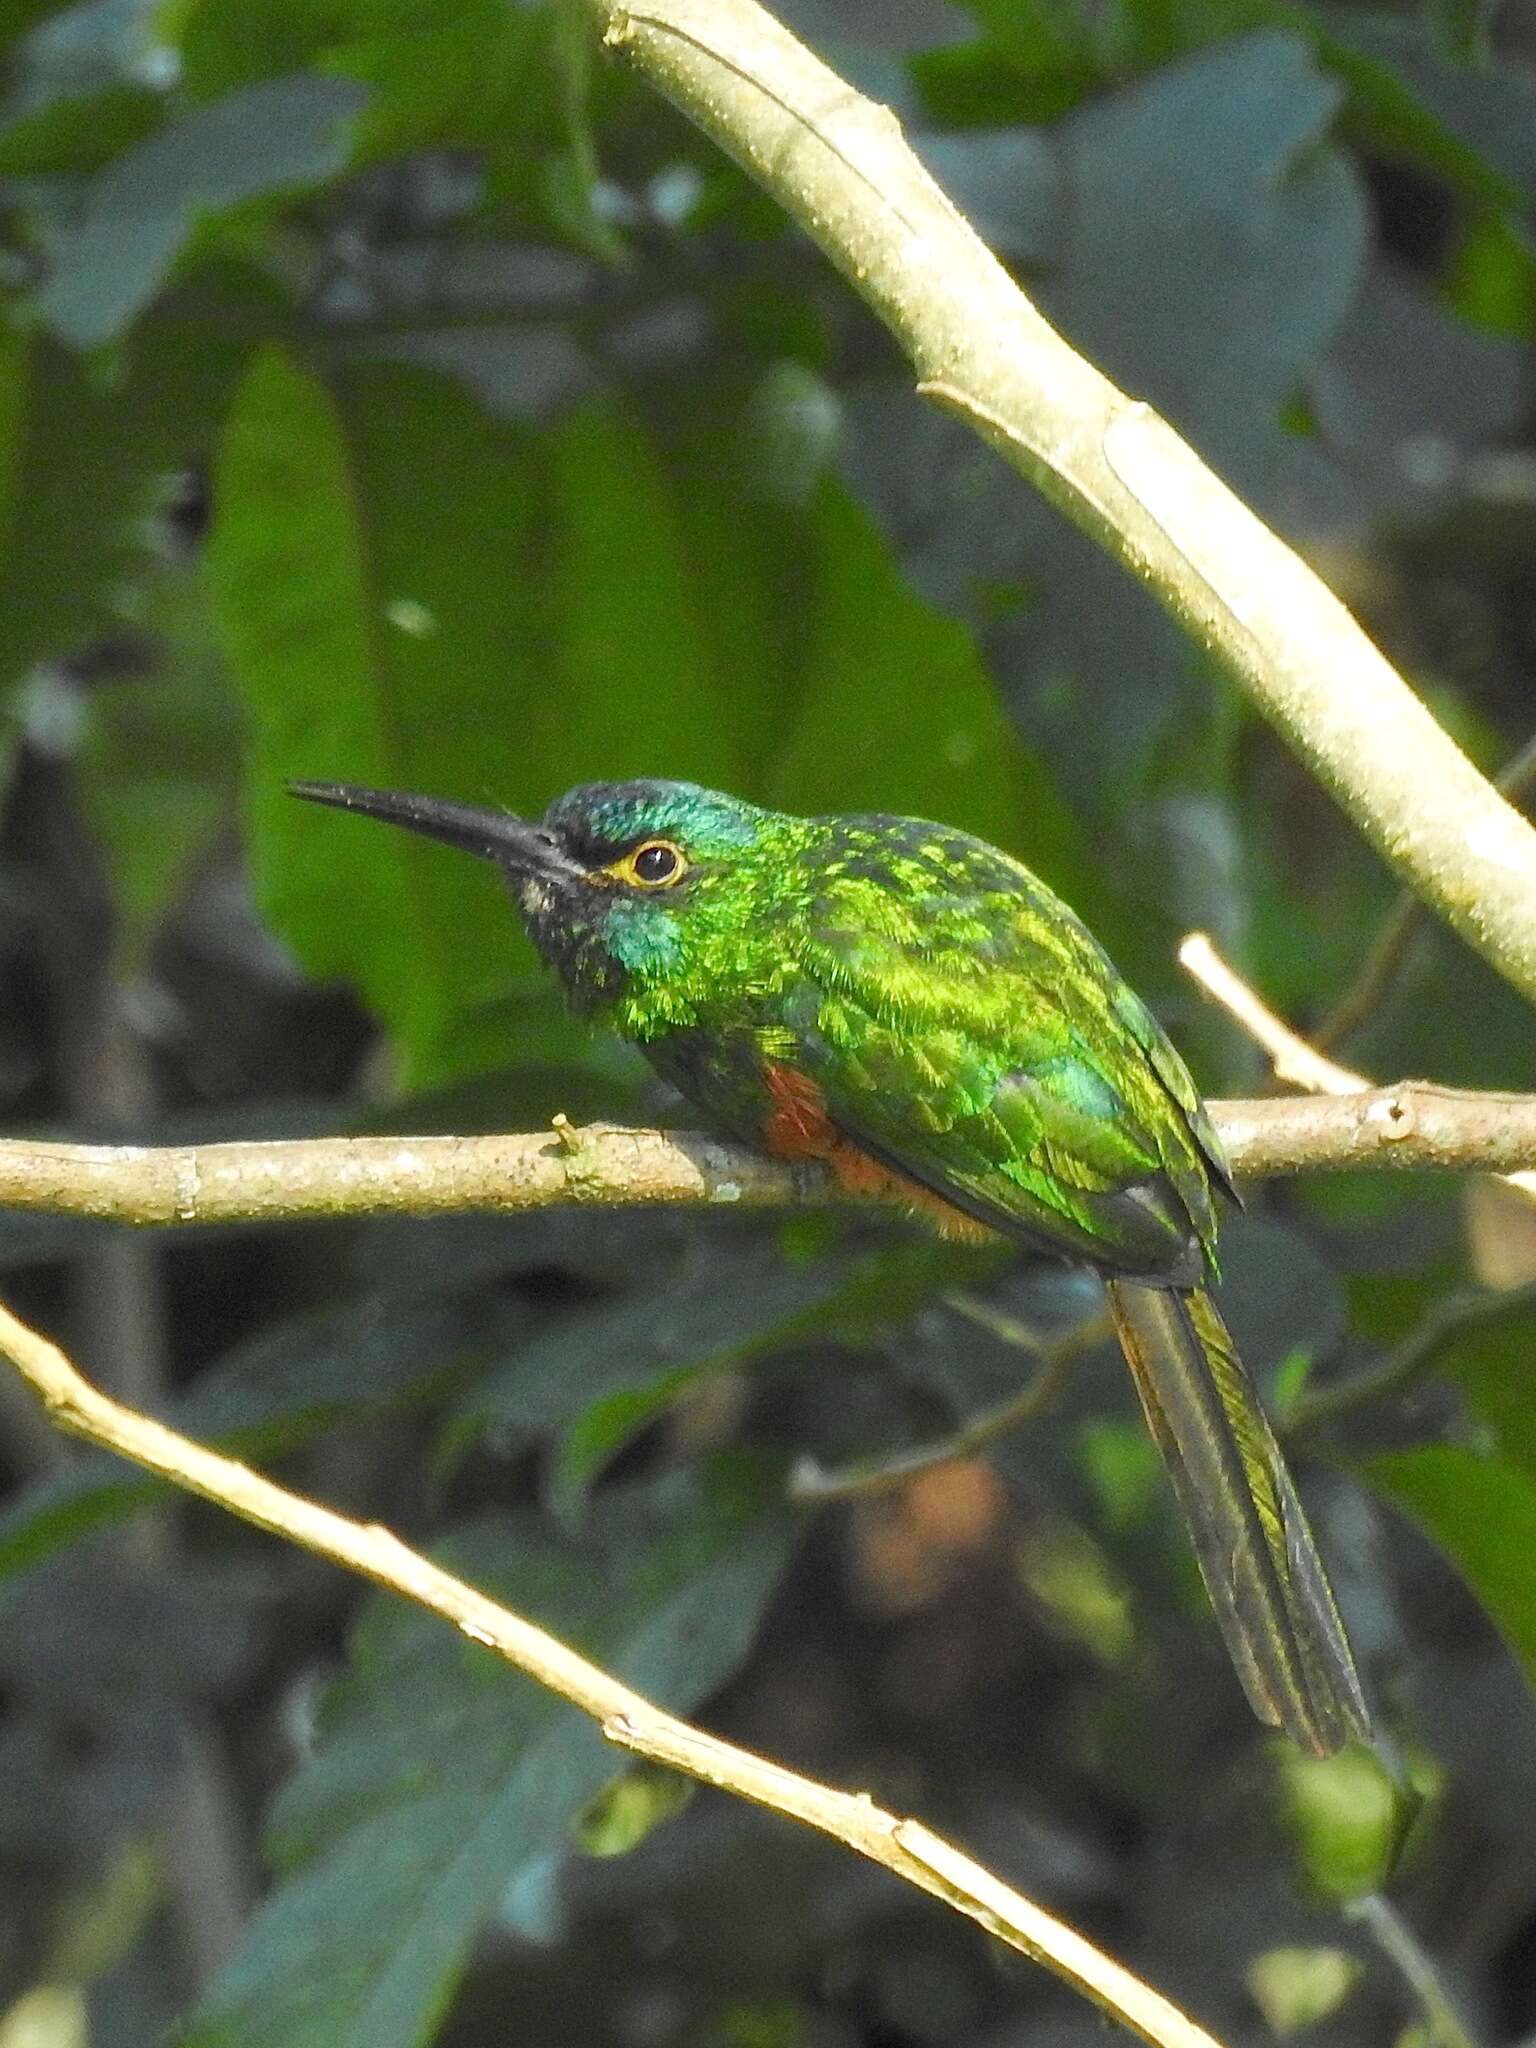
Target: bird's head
(622, 885)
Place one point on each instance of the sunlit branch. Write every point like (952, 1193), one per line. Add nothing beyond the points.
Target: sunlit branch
(902, 1846)
(1410, 1125)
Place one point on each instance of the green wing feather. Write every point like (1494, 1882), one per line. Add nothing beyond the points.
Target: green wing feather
(976, 1037)
(963, 1024)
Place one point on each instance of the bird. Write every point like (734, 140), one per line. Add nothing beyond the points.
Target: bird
(917, 1010)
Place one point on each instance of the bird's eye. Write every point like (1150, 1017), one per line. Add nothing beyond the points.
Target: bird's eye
(655, 865)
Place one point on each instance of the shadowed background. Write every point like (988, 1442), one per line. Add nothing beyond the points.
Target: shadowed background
(395, 393)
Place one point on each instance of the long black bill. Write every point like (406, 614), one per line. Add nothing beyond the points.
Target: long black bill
(494, 835)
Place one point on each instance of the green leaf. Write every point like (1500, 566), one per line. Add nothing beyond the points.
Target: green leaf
(22, 16)
(158, 765)
(1490, 1362)
(614, 1364)
(630, 1807)
(1030, 64)
(443, 1775)
(144, 208)
(483, 80)
(1226, 147)
(1482, 1514)
(474, 74)
(1474, 124)
(14, 368)
(74, 483)
(896, 710)
(273, 1393)
(365, 577)
(80, 133)
(633, 690)
(1346, 1816)
(1210, 254)
(413, 595)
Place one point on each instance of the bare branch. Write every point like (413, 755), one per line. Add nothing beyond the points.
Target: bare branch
(902, 1846)
(1411, 1125)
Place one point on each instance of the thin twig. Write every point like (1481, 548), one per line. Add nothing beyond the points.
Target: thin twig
(1291, 1057)
(903, 1846)
(1389, 949)
(1412, 1361)
(1397, 1941)
(1295, 1060)
(813, 1483)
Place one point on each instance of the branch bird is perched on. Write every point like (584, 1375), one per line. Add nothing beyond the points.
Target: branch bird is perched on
(919, 1011)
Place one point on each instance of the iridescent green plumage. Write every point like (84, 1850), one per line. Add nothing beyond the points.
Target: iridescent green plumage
(908, 995)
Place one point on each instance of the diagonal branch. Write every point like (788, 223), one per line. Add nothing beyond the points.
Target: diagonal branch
(839, 165)
(902, 1846)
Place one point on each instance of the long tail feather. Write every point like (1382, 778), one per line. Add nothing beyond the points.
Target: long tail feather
(1255, 1550)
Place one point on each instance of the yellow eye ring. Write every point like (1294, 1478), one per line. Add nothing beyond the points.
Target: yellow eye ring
(657, 864)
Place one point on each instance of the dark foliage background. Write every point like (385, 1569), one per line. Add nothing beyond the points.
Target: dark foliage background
(390, 391)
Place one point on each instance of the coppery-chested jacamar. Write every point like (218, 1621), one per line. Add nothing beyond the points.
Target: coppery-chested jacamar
(919, 1011)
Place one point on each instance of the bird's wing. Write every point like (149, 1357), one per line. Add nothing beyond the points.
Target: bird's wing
(972, 1034)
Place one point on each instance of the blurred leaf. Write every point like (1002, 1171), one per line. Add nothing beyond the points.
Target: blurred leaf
(483, 79)
(1490, 1362)
(1492, 280)
(1345, 1817)
(22, 16)
(1295, 1988)
(1474, 123)
(1008, 183)
(398, 577)
(477, 74)
(1121, 1465)
(14, 368)
(69, 528)
(1482, 1513)
(1210, 246)
(1032, 63)
(272, 1393)
(80, 133)
(720, 1307)
(630, 1807)
(896, 711)
(158, 767)
(632, 689)
(223, 48)
(1460, 28)
(1085, 1599)
(1223, 152)
(602, 1373)
(145, 207)
(1034, 35)
(1404, 365)
(443, 1774)
(363, 565)
(789, 429)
